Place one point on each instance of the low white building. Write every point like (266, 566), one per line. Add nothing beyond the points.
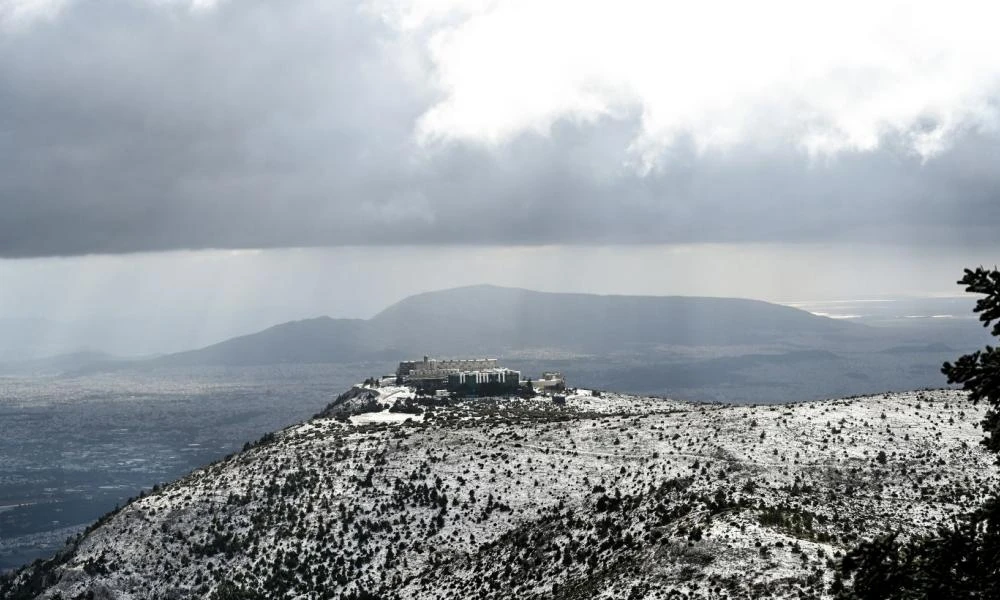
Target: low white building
(500, 376)
(551, 381)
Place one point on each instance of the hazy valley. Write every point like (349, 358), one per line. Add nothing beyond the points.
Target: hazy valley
(73, 448)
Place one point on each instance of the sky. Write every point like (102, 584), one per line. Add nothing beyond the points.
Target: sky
(229, 164)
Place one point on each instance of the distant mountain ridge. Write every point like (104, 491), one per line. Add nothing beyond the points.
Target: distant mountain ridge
(321, 339)
(698, 348)
(58, 363)
(493, 320)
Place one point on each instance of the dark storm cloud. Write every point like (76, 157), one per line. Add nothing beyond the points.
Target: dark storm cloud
(131, 126)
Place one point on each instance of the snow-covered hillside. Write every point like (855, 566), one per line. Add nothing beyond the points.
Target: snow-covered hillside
(608, 496)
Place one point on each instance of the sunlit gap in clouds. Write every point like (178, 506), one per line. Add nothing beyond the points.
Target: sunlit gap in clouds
(720, 72)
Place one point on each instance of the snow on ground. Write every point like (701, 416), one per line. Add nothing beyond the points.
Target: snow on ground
(384, 416)
(607, 496)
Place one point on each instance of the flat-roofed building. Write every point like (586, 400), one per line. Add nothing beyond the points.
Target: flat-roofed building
(551, 381)
(432, 374)
(495, 381)
(432, 367)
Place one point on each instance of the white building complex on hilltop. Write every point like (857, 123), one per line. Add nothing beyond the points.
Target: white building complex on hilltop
(471, 376)
(431, 368)
(499, 376)
(468, 375)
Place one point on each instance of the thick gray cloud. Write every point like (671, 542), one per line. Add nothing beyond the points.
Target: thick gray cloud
(135, 126)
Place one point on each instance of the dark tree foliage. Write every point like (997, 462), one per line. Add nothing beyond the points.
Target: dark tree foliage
(979, 372)
(230, 591)
(957, 562)
(962, 560)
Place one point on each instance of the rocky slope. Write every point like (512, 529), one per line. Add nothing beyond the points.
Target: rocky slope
(608, 496)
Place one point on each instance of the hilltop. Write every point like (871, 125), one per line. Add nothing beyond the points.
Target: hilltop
(387, 495)
(487, 319)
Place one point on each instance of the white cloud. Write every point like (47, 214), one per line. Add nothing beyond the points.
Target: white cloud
(15, 13)
(19, 13)
(827, 78)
